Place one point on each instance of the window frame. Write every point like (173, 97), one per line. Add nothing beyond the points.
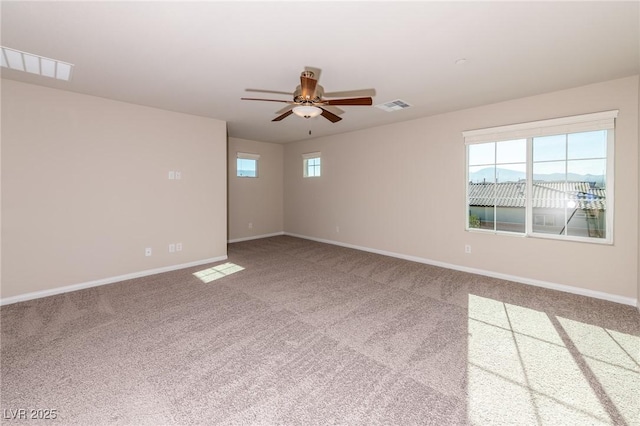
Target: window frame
(565, 125)
(305, 164)
(248, 156)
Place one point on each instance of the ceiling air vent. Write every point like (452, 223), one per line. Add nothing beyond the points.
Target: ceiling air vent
(35, 64)
(396, 105)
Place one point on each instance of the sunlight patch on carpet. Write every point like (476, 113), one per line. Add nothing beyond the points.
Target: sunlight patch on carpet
(216, 272)
(614, 359)
(521, 369)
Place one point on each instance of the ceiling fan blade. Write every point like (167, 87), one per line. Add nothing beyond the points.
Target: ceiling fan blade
(285, 115)
(334, 109)
(330, 116)
(307, 87)
(359, 92)
(268, 100)
(285, 109)
(277, 92)
(348, 101)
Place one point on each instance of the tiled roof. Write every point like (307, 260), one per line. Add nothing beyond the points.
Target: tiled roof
(553, 195)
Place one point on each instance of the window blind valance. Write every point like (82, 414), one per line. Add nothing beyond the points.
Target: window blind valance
(578, 123)
(310, 155)
(248, 156)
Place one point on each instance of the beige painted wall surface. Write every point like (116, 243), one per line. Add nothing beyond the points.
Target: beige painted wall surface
(401, 188)
(85, 188)
(255, 200)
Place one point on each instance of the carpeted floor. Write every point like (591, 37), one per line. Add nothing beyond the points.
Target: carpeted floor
(295, 332)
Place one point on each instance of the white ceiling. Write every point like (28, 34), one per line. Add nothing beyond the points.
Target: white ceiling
(199, 57)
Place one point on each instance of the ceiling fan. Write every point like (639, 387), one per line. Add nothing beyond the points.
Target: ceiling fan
(309, 99)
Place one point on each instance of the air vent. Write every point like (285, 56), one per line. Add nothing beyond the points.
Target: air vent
(34, 64)
(396, 105)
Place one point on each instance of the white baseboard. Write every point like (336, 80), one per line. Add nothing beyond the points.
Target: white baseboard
(523, 280)
(255, 237)
(110, 280)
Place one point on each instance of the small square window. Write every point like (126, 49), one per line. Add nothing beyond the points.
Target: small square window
(247, 165)
(311, 165)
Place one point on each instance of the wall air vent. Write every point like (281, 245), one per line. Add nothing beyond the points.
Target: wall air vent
(396, 105)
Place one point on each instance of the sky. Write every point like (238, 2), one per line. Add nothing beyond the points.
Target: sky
(580, 153)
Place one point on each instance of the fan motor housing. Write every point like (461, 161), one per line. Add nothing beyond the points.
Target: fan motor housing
(318, 95)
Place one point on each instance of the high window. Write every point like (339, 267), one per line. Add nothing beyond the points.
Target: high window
(550, 178)
(247, 165)
(311, 164)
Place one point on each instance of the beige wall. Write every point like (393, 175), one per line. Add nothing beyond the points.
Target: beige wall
(85, 188)
(1, 192)
(256, 201)
(401, 188)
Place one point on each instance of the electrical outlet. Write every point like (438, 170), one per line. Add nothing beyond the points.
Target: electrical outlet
(250, 225)
(172, 175)
(178, 175)
(467, 248)
(147, 251)
(178, 246)
(172, 248)
(337, 229)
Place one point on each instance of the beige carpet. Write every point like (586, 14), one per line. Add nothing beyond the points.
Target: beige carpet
(294, 332)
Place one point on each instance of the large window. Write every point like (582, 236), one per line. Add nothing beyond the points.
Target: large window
(247, 165)
(551, 178)
(311, 164)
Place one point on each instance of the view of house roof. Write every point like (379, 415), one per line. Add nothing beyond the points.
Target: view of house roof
(553, 195)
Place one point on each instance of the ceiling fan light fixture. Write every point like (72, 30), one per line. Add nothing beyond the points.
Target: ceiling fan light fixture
(307, 111)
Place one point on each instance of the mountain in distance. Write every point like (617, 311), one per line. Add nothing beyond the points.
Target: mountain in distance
(506, 175)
